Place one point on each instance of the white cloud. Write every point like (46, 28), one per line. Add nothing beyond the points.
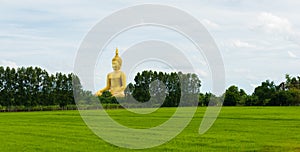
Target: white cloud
(278, 26)
(253, 85)
(7, 63)
(271, 23)
(292, 55)
(241, 70)
(210, 24)
(240, 44)
(203, 74)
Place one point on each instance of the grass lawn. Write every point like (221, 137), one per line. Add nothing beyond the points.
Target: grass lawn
(236, 129)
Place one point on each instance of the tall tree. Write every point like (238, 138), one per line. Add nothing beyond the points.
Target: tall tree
(264, 93)
(232, 96)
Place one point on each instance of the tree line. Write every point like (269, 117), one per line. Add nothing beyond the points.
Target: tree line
(169, 86)
(267, 94)
(32, 86)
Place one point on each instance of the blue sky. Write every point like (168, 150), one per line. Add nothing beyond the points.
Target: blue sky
(258, 39)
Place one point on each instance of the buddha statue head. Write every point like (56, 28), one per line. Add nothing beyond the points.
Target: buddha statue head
(116, 61)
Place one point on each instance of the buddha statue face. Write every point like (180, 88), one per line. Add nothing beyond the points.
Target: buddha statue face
(116, 61)
(116, 66)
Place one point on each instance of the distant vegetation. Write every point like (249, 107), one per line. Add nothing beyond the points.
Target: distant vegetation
(34, 88)
(31, 88)
(267, 94)
(173, 86)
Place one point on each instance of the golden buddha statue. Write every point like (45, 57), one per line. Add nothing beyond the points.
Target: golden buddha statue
(116, 80)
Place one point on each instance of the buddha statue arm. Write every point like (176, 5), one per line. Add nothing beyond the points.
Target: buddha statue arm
(123, 79)
(99, 93)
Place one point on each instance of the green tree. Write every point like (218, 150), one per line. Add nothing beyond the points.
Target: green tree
(232, 96)
(173, 85)
(264, 93)
(292, 82)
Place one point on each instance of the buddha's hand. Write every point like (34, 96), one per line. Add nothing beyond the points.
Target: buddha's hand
(98, 93)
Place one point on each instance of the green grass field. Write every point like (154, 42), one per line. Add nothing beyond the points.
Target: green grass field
(236, 129)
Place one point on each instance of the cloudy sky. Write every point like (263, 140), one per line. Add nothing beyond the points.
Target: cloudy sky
(258, 39)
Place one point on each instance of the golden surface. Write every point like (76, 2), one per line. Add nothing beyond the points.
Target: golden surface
(116, 80)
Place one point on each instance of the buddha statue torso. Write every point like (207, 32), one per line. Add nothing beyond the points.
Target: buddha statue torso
(116, 80)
